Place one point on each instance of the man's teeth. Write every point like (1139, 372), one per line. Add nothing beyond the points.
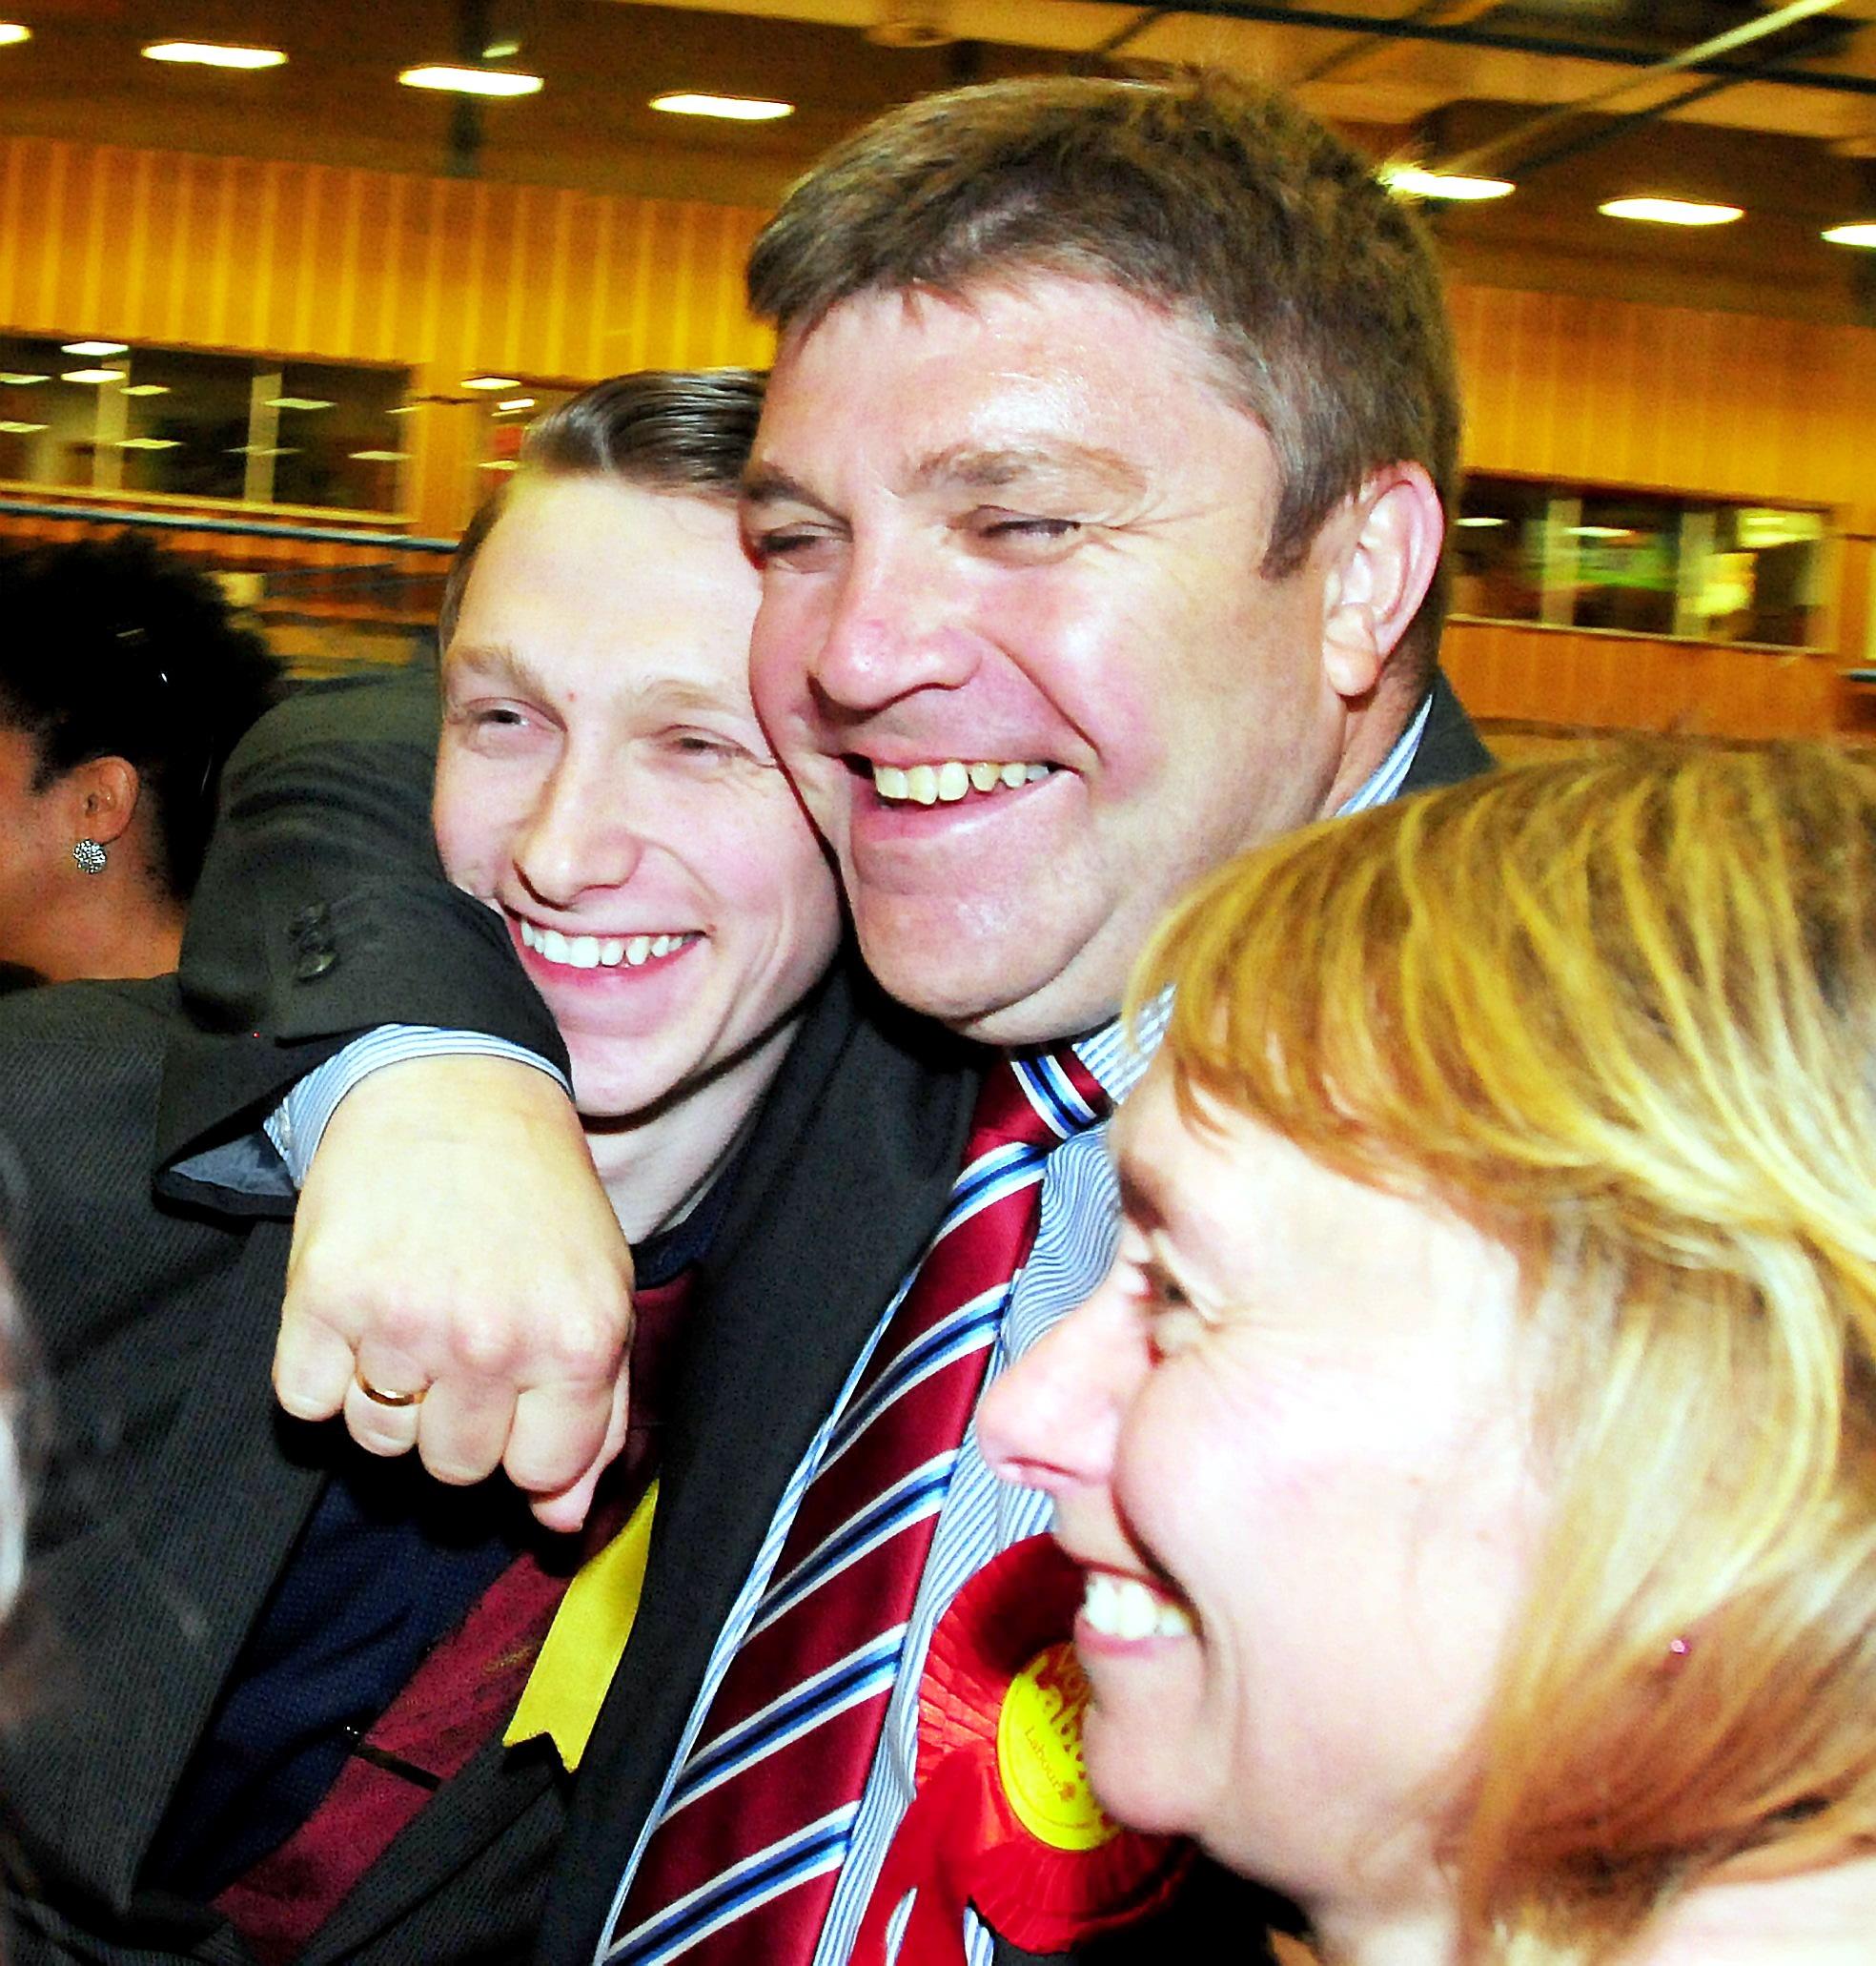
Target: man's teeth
(590, 953)
(932, 785)
(1125, 1607)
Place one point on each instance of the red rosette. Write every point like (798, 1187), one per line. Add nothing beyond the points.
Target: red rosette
(1045, 1868)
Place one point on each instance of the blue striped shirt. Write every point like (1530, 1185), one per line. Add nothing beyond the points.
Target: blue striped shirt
(1079, 1228)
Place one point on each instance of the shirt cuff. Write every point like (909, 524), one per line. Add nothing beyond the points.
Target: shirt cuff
(297, 1124)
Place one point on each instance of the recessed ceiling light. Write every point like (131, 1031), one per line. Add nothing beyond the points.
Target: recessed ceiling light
(516, 403)
(12, 32)
(264, 450)
(401, 409)
(1439, 184)
(378, 457)
(215, 54)
(19, 429)
(1671, 211)
(1861, 234)
(298, 402)
(146, 389)
(18, 378)
(471, 81)
(1601, 532)
(1482, 518)
(92, 375)
(733, 109)
(150, 443)
(95, 348)
(490, 381)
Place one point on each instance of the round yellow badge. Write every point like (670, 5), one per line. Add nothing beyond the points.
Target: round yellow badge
(1039, 1753)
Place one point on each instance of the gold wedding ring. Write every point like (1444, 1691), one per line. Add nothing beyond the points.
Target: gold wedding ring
(378, 1397)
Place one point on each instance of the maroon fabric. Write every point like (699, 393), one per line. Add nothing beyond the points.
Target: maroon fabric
(460, 1695)
(798, 1781)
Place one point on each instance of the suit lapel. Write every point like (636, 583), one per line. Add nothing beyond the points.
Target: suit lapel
(841, 1188)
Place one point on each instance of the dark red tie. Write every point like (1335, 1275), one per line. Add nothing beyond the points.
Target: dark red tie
(742, 1864)
(459, 1696)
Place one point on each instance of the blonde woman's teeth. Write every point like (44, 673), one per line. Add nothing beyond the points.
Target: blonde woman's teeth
(591, 952)
(1125, 1607)
(944, 783)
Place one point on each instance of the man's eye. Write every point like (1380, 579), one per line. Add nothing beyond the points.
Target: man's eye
(798, 546)
(1032, 528)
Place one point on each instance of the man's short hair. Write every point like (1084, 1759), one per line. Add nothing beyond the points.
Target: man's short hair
(1222, 201)
(663, 430)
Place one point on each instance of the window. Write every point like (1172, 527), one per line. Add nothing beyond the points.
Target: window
(1639, 562)
(181, 422)
(505, 418)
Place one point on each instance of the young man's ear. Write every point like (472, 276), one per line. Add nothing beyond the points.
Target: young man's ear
(104, 798)
(1386, 541)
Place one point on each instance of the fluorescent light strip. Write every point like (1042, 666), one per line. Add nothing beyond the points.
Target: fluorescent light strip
(12, 33)
(146, 389)
(298, 402)
(12, 429)
(1670, 212)
(731, 108)
(1860, 235)
(18, 378)
(95, 348)
(1417, 183)
(99, 376)
(471, 81)
(215, 54)
(490, 381)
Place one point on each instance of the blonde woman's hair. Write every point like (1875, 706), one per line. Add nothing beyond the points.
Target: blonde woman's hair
(1621, 1012)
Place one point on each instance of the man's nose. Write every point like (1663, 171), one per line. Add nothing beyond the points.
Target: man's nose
(1054, 1419)
(581, 832)
(898, 623)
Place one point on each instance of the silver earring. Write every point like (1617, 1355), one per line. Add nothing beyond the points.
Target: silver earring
(89, 856)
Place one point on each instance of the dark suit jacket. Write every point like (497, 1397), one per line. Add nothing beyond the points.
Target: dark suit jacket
(831, 1212)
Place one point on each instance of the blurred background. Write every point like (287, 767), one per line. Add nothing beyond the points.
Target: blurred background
(288, 281)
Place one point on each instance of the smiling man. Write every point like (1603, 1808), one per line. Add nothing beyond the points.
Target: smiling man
(1099, 501)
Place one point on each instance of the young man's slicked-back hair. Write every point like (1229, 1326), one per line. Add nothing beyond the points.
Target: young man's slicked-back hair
(663, 430)
(1216, 198)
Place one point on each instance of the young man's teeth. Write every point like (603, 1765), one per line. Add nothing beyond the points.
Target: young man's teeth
(1125, 1607)
(933, 784)
(590, 953)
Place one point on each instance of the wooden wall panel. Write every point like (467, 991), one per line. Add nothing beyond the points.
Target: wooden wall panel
(446, 276)
(449, 277)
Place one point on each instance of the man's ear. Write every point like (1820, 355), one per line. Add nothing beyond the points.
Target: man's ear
(1386, 541)
(104, 798)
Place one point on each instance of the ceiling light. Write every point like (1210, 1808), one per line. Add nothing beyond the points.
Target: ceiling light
(1601, 532)
(215, 54)
(490, 381)
(19, 429)
(378, 457)
(401, 409)
(12, 32)
(150, 443)
(146, 389)
(1481, 518)
(516, 403)
(95, 348)
(1417, 183)
(92, 375)
(501, 50)
(298, 402)
(18, 378)
(1670, 212)
(1864, 235)
(264, 450)
(471, 81)
(500, 464)
(733, 109)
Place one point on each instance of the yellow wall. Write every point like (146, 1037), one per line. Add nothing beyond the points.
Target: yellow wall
(446, 276)
(452, 276)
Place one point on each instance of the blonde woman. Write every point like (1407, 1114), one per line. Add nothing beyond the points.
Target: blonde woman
(1473, 1450)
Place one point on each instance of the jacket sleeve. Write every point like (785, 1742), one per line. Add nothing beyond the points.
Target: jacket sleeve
(322, 913)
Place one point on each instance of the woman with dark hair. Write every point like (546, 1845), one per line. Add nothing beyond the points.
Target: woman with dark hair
(124, 684)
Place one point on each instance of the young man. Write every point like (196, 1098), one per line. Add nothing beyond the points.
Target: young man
(285, 1669)
(1099, 501)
